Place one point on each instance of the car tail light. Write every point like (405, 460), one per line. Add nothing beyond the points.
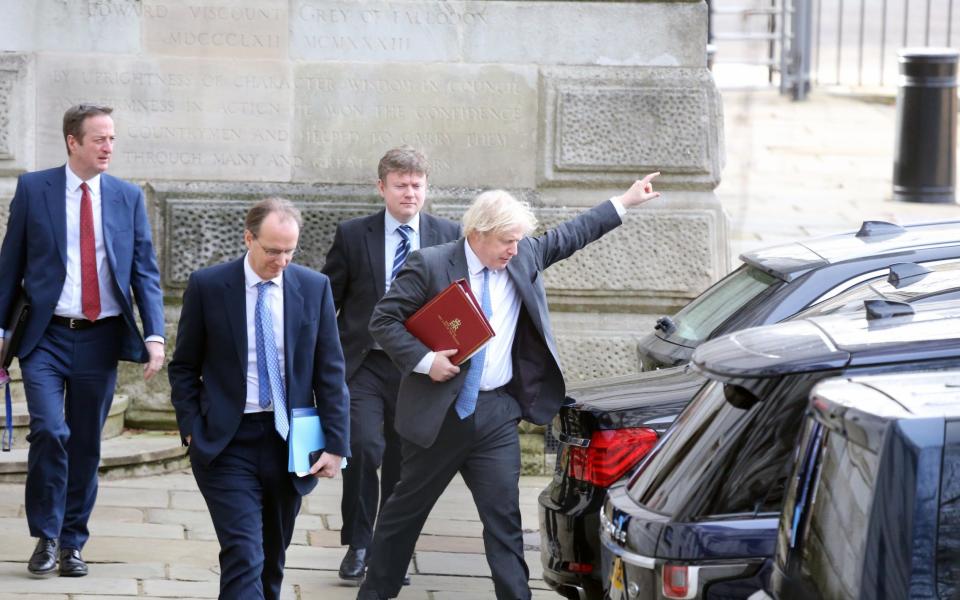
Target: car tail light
(575, 567)
(611, 453)
(676, 581)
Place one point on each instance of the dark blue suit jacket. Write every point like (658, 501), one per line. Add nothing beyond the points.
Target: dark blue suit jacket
(208, 373)
(34, 254)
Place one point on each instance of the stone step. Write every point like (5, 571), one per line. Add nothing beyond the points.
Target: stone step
(130, 454)
(21, 418)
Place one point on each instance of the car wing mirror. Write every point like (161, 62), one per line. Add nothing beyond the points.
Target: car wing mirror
(666, 325)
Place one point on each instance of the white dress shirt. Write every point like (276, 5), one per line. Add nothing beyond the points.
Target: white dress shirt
(505, 305)
(274, 301)
(391, 239)
(70, 303)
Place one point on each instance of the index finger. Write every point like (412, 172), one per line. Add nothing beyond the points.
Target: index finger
(650, 177)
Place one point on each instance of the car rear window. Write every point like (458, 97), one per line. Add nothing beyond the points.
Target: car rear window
(847, 301)
(697, 320)
(839, 502)
(720, 459)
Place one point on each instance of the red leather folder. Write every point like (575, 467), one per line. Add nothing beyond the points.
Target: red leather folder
(453, 319)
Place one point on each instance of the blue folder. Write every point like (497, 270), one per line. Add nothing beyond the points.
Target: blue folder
(306, 436)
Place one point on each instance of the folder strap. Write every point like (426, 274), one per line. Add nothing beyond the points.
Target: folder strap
(7, 442)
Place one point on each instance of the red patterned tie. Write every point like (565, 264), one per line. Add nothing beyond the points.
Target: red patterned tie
(89, 285)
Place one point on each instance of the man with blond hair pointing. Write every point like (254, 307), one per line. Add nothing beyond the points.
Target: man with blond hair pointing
(464, 419)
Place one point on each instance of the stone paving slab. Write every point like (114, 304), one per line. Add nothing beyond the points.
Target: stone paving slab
(119, 514)
(16, 580)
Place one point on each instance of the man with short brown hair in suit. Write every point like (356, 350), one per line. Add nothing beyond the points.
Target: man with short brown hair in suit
(366, 254)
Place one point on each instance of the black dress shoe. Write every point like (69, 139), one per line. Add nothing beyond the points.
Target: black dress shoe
(353, 564)
(43, 561)
(71, 564)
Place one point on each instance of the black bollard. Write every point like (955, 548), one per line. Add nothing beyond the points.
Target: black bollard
(924, 163)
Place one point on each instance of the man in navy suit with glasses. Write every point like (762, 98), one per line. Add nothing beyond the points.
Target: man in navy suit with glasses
(257, 340)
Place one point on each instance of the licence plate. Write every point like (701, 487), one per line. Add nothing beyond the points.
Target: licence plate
(617, 586)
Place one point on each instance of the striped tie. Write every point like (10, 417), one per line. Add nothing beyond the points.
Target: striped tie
(403, 249)
(269, 380)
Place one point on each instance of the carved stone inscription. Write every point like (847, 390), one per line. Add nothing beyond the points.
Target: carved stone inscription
(595, 33)
(175, 118)
(216, 28)
(477, 123)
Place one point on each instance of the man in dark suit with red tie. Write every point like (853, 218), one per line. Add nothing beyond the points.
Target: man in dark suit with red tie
(464, 419)
(79, 244)
(257, 339)
(365, 256)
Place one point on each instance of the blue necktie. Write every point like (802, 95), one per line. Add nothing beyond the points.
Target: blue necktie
(467, 399)
(403, 249)
(268, 362)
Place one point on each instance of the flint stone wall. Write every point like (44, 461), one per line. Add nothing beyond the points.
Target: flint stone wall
(220, 103)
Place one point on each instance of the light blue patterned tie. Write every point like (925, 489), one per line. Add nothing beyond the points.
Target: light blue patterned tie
(268, 362)
(403, 249)
(467, 399)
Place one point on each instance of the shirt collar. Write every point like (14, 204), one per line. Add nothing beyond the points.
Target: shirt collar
(74, 181)
(251, 279)
(474, 266)
(390, 224)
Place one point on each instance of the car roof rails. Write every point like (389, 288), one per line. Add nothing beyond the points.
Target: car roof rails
(874, 228)
(902, 274)
(886, 309)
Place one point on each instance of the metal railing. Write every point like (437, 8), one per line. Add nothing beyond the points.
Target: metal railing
(856, 41)
(829, 42)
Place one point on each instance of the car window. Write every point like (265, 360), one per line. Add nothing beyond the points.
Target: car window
(833, 538)
(851, 299)
(799, 487)
(948, 526)
(940, 284)
(697, 320)
(720, 459)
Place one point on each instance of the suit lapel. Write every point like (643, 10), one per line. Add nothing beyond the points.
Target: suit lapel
(292, 309)
(235, 301)
(520, 277)
(373, 240)
(457, 266)
(428, 233)
(110, 199)
(55, 197)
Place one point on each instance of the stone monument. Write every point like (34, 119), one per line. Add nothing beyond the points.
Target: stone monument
(221, 102)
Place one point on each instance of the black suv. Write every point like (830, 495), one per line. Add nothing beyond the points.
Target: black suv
(609, 424)
(775, 283)
(699, 517)
(873, 507)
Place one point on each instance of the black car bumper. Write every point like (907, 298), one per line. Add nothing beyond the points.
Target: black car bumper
(569, 543)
